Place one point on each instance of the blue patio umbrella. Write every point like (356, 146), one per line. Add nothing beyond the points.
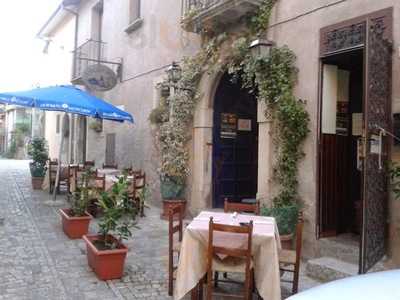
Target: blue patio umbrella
(68, 99)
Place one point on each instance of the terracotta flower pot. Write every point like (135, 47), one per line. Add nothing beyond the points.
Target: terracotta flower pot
(37, 183)
(107, 264)
(74, 227)
(287, 241)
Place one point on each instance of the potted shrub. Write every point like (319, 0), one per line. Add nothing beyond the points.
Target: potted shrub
(37, 150)
(286, 217)
(105, 251)
(75, 220)
(172, 192)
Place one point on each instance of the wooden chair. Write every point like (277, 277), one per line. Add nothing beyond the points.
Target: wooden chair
(52, 169)
(241, 207)
(98, 185)
(238, 260)
(72, 178)
(289, 260)
(89, 164)
(63, 181)
(110, 166)
(174, 246)
(138, 184)
(132, 172)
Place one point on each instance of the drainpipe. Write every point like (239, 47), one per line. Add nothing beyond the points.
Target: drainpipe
(75, 37)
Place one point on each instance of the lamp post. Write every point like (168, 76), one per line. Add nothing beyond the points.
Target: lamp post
(174, 73)
(261, 47)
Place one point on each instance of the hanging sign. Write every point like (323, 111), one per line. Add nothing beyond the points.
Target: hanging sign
(228, 126)
(99, 78)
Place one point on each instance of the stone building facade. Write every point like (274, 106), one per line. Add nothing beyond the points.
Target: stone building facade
(144, 37)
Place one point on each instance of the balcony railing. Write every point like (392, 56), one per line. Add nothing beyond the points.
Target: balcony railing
(199, 13)
(89, 53)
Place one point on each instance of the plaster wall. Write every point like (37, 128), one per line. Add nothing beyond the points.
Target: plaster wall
(145, 53)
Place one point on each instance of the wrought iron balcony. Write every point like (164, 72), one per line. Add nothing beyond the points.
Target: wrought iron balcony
(198, 14)
(90, 53)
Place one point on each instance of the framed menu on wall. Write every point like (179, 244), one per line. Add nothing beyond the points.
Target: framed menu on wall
(228, 126)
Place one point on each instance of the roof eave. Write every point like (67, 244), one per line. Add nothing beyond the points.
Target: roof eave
(59, 16)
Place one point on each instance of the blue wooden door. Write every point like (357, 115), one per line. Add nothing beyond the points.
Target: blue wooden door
(235, 143)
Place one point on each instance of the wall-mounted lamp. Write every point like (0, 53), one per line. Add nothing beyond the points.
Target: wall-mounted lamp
(261, 47)
(174, 72)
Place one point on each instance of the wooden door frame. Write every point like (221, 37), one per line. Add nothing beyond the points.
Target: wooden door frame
(328, 48)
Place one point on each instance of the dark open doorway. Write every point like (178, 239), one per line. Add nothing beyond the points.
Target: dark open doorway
(235, 143)
(341, 131)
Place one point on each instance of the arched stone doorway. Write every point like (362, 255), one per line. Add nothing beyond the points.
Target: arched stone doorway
(235, 143)
(201, 179)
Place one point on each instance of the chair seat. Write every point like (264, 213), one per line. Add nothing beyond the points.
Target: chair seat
(287, 256)
(176, 247)
(230, 265)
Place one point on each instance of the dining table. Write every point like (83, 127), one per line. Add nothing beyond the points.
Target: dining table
(192, 265)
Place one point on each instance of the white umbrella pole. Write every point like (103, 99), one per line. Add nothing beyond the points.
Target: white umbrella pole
(59, 158)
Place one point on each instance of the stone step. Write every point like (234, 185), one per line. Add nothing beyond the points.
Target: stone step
(326, 269)
(345, 248)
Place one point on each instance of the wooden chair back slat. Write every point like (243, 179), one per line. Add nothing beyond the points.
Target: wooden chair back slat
(239, 253)
(175, 214)
(230, 252)
(112, 166)
(299, 244)
(241, 207)
(88, 164)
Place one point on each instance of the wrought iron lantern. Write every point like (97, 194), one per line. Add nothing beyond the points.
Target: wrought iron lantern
(261, 47)
(174, 72)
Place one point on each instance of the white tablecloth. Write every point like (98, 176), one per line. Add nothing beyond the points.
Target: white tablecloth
(265, 247)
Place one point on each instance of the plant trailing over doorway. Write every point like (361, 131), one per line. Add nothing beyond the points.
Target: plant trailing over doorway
(38, 151)
(272, 77)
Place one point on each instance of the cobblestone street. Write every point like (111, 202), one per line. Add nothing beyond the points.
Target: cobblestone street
(37, 261)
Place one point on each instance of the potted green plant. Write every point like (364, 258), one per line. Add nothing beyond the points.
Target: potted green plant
(105, 251)
(75, 220)
(37, 150)
(172, 193)
(286, 217)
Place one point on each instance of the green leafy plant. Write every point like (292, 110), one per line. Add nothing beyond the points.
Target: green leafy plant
(285, 216)
(38, 151)
(80, 198)
(119, 215)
